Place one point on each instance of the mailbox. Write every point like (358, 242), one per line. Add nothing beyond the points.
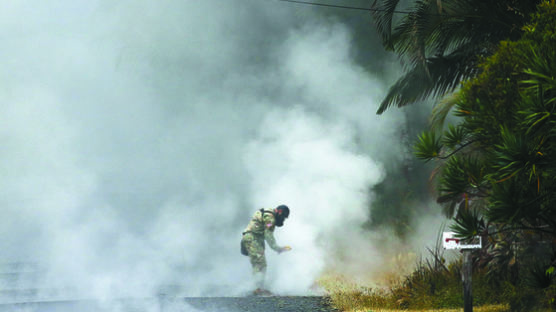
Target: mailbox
(450, 241)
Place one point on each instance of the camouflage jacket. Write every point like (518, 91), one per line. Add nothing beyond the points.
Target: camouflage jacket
(263, 224)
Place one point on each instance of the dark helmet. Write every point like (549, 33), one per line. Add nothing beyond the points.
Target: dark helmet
(282, 213)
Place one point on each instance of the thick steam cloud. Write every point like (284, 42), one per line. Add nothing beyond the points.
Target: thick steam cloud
(138, 138)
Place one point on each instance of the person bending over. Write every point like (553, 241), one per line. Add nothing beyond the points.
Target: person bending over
(261, 229)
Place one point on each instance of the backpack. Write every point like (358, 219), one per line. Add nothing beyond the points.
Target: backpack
(243, 248)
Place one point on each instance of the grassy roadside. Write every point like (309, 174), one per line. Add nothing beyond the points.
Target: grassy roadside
(488, 308)
(349, 297)
(434, 284)
(414, 294)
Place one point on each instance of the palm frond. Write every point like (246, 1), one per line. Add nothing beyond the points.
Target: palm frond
(468, 223)
(453, 182)
(512, 202)
(439, 33)
(441, 110)
(440, 75)
(517, 155)
(383, 16)
(428, 147)
(455, 136)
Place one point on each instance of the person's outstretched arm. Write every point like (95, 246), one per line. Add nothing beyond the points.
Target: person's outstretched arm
(269, 225)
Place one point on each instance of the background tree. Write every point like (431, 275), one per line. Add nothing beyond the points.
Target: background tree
(442, 41)
(497, 166)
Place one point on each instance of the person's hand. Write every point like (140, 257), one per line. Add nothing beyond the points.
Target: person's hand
(285, 248)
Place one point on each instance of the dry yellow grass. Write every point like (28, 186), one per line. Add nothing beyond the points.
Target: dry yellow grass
(490, 308)
(348, 296)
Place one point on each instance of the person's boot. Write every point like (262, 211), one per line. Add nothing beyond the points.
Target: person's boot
(261, 292)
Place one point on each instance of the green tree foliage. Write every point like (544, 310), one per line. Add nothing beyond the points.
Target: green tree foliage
(443, 41)
(497, 166)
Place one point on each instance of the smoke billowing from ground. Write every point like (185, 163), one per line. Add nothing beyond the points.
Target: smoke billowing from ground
(138, 138)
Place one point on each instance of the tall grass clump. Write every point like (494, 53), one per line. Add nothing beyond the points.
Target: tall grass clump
(347, 295)
(435, 283)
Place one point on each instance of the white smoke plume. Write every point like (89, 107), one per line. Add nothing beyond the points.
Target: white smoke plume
(138, 137)
(315, 166)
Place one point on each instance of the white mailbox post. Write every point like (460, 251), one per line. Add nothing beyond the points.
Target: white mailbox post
(450, 241)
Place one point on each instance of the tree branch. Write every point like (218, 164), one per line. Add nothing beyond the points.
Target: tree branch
(456, 150)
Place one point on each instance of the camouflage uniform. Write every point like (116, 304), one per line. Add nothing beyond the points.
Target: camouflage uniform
(260, 228)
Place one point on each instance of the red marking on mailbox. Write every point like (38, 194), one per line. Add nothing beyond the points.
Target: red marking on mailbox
(452, 239)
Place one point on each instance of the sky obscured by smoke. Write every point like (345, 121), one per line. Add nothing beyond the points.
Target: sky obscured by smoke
(138, 138)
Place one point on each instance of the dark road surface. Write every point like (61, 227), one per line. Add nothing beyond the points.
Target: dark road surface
(209, 304)
(18, 293)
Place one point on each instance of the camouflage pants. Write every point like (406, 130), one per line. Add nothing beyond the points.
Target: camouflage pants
(255, 247)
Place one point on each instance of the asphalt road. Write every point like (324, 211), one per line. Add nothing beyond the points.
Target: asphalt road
(209, 304)
(18, 293)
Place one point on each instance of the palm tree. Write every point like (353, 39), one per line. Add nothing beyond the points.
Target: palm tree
(444, 40)
(497, 166)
